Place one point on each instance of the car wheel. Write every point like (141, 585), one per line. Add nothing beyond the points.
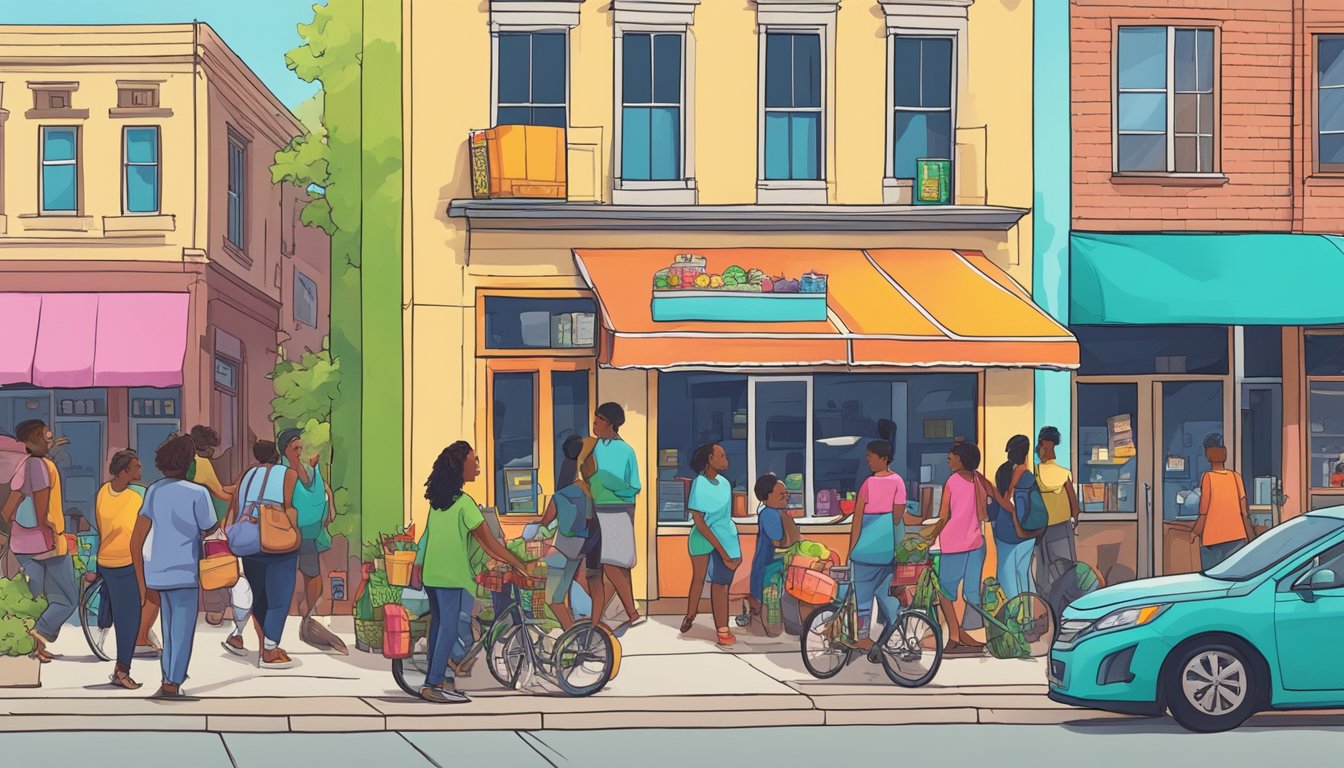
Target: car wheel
(1213, 686)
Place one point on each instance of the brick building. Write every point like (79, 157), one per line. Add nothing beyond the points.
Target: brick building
(1207, 187)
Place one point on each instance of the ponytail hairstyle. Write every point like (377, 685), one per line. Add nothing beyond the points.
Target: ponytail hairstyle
(886, 430)
(1017, 449)
(967, 452)
(445, 482)
(700, 458)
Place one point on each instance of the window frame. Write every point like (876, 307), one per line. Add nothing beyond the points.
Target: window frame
(678, 191)
(484, 351)
(889, 175)
(1316, 127)
(42, 164)
(126, 166)
(1171, 27)
(529, 30)
(1308, 379)
(236, 196)
(299, 279)
(823, 134)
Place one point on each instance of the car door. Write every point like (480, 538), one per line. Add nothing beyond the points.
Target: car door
(1309, 624)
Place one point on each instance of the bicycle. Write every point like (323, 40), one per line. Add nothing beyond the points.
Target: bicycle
(1070, 580)
(580, 661)
(95, 616)
(910, 648)
(1022, 627)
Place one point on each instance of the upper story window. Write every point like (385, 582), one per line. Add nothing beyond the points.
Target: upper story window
(305, 299)
(140, 170)
(55, 100)
(793, 117)
(1330, 103)
(922, 91)
(651, 106)
(60, 169)
(531, 78)
(1165, 111)
(138, 97)
(237, 192)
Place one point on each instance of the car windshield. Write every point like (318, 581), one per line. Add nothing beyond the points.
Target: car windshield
(1275, 546)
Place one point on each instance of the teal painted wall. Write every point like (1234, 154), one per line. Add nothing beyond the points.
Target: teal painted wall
(1052, 164)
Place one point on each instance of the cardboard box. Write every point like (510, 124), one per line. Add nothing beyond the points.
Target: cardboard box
(518, 161)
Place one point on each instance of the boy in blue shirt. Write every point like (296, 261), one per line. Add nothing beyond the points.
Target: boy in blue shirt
(776, 530)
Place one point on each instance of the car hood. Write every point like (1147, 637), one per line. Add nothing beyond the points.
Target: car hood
(1165, 589)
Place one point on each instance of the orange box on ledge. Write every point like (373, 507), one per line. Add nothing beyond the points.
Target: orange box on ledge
(518, 161)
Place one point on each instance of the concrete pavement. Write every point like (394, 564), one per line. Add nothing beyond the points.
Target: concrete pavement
(666, 681)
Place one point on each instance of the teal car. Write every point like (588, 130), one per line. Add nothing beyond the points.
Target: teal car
(1262, 630)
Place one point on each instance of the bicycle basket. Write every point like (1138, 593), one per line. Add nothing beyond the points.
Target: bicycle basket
(908, 574)
(808, 586)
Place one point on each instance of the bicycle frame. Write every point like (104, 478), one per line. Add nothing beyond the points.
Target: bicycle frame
(931, 575)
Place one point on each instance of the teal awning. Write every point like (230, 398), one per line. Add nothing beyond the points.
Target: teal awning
(1219, 279)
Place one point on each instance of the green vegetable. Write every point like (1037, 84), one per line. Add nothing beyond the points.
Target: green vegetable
(736, 274)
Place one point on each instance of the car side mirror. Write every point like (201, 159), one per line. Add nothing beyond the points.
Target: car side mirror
(1323, 579)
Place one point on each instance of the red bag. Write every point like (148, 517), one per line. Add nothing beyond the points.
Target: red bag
(396, 632)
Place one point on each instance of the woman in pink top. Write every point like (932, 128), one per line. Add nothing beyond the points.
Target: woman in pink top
(879, 522)
(961, 542)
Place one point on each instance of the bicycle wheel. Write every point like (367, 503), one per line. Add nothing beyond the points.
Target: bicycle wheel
(1023, 627)
(95, 611)
(510, 657)
(410, 672)
(823, 657)
(583, 660)
(912, 649)
(1074, 580)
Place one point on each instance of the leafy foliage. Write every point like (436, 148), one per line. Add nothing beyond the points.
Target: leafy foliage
(18, 613)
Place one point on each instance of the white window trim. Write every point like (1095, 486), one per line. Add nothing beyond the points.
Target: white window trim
(668, 191)
(494, 68)
(126, 165)
(926, 18)
(1170, 92)
(42, 163)
(510, 15)
(662, 13)
(796, 191)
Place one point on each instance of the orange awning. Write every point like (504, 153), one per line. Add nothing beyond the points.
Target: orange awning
(899, 307)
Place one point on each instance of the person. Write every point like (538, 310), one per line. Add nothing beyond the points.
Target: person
(1010, 493)
(776, 530)
(270, 574)
(166, 552)
(1061, 502)
(454, 535)
(44, 557)
(879, 522)
(1224, 524)
(1337, 477)
(713, 544)
(961, 542)
(116, 509)
(316, 510)
(570, 511)
(615, 487)
(202, 472)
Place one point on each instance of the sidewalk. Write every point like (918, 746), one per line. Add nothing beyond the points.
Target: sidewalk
(665, 681)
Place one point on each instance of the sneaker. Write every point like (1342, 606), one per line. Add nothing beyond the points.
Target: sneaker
(170, 692)
(442, 696)
(234, 645)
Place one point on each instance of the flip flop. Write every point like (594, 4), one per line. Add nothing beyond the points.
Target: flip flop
(686, 625)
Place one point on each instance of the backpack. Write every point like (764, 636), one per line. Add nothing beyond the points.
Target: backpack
(1033, 516)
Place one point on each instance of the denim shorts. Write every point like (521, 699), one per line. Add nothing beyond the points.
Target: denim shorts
(719, 572)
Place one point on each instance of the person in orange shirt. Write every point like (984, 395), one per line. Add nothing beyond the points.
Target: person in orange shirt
(1224, 524)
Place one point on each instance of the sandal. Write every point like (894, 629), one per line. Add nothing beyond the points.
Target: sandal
(726, 638)
(686, 624)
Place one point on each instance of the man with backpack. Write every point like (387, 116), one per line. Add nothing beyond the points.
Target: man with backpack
(1056, 545)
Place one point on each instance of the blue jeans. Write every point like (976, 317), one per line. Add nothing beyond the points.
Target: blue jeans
(53, 578)
(1014, 569)
(1217, 553)
(873, 581)
(121, 596)
(272, 579)
(449, 630)
(177, 624)
(963, 570)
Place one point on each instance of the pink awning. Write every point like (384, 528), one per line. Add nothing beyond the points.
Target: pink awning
(93, 339)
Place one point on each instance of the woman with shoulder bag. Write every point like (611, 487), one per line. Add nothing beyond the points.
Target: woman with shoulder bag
(265, 499)
(1010, 501)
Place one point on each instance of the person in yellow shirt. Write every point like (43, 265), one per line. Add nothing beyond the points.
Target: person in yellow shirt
(116, 509)
(202, 472)
(1056, 546)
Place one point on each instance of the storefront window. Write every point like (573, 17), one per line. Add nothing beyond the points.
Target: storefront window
(780, 423)
(1262, 350)
(697, 408)
(156, 414)
(514, 410)
(1156, 349)
(1108, 442)
(1192, 419)
(1261, 440)
(1325, 354)
(513, 322)
(570, 411)
(1326, 412)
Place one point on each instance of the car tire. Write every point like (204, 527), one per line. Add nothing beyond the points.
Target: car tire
(1215, 668)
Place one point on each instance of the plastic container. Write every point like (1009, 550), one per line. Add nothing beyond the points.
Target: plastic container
(809, 586)
(399, 565)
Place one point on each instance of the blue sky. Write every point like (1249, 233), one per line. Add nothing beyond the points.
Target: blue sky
(260, 31)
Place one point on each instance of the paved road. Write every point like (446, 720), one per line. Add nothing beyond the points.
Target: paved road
(1152, 743)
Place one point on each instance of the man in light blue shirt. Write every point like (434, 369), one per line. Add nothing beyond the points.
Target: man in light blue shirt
(166, 551)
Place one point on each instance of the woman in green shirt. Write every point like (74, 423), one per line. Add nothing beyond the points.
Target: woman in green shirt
(453, 533)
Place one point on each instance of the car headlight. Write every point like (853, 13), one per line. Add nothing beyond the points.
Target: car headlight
(1129, 617)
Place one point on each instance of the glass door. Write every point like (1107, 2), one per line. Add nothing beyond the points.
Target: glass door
(1191, 416)
(780, 439)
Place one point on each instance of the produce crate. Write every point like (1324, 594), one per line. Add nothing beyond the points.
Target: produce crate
(909, 574)
(809, 586)
(679, 305)
(493, 580)
(526, 582)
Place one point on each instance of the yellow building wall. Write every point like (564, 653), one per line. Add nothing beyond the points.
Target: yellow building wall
(447, 50)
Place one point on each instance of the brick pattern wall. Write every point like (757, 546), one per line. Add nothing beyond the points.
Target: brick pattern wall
(1254, 53)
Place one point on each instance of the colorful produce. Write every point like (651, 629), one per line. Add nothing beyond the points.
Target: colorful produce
(687, 271)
